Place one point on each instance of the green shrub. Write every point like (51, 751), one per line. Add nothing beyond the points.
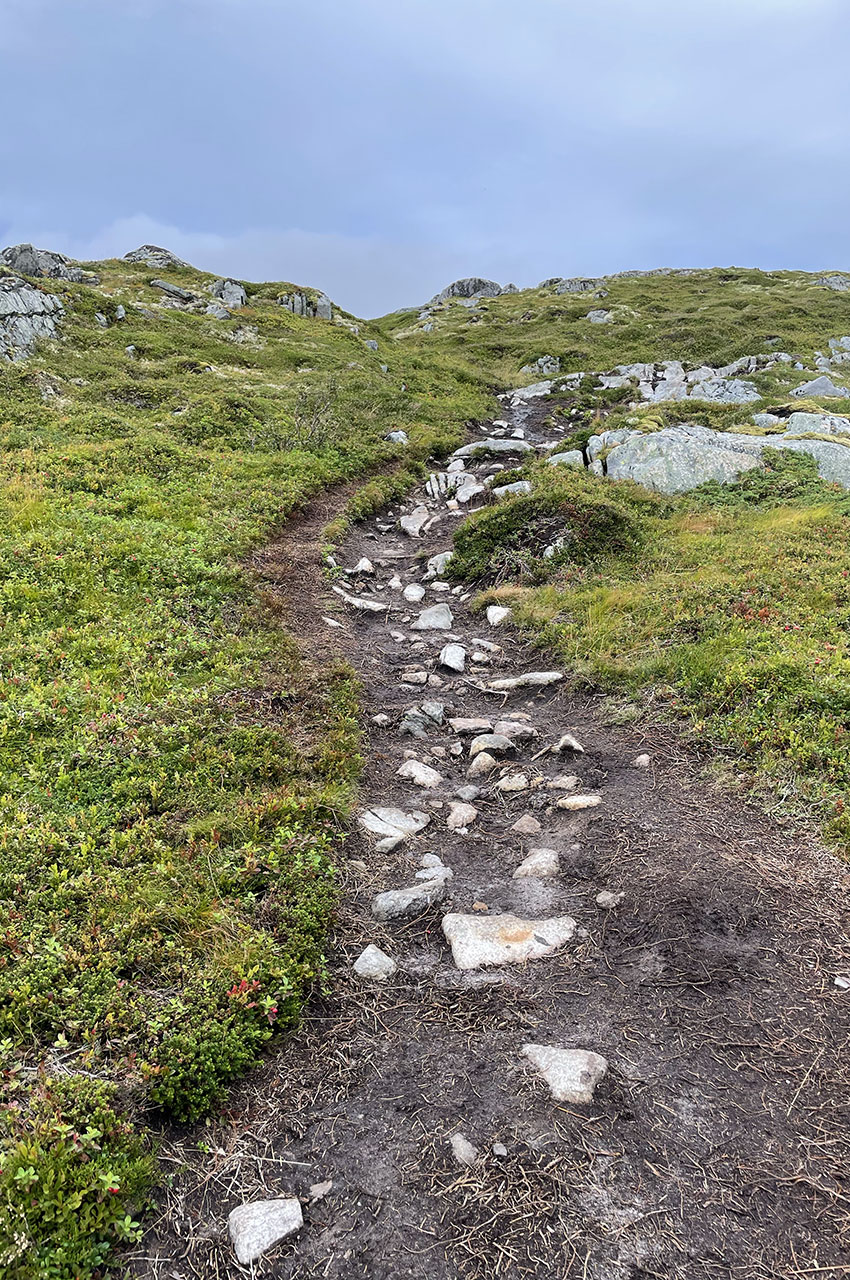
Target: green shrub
(568, 509)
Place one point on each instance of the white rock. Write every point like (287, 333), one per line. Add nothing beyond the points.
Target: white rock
(255, 1228)
(642, 761)
(608, 900)
(516, 730)
(413, 593)
(392, 825)
(541, 864)
(319, 1190)
(437, 564)
(453, 656)
(842, 981)
(571, 1074)
(568, 743)
(414, 523)
(381, 720)
(395, 583)
(420, 774)
(527, 826)
(469, 489)
(564, 782)
(578, 802)
(364, 606)
(495, 743)
(531, 680)
(331, 622)
(461, 815)
(513, 782)
(412, 901)
(499, 1149)
(463, 1150)
(375, 964)
(483, 764)
(477, 941)
(438, 617)
(506, 490)
(363, 566)
(497, 614)
(471, 724)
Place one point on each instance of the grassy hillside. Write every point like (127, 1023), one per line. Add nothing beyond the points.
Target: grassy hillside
(174, 779)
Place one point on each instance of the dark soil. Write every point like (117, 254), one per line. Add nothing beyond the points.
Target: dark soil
(716, 1146)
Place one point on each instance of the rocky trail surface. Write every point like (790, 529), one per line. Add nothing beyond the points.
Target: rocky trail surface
(586, 1014)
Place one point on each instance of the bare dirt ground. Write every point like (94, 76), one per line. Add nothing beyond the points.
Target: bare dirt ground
(717, 1144)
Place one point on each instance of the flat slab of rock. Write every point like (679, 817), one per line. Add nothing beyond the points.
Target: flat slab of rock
(256, 1228)
(496, 743)
(571, 1074)
(531, 680)
(492, 445)
(438, 617)
(414, 523)
(480, 941)
(374, 964)
(472, 724)
(392, 825)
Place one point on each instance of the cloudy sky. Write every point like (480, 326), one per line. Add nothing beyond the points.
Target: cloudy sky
(380, 148)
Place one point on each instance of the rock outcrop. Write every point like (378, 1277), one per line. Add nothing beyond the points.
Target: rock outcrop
(230, 293)
(26, 260)
(154, 256)
(470, 287)
(677, 459)
(302, 304)
(26, 315)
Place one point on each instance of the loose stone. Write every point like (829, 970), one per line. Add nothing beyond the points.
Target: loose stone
(579, 802)
(331, 622)
(438, 617)
(478, 941)
(471, 725)
(463, 1150)
(541, 864)
(400, 903)
(255, 1228)
(642, 761)
(364, 566)
(495, 743)
(512, 783)
(607, 900)
(568, 743)
(414, 523)
(515, 730)
(482, 764)
(564, 782)
(527, 826)
(381, 720)
(375, 964)
(531, 680)
(420, 774)
(571, 1074)
(461, 816)
(497, 614)
(392, 825)
(453, 656)
(413, 593)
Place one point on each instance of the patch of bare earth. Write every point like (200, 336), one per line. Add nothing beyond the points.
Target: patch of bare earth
(717, 1144)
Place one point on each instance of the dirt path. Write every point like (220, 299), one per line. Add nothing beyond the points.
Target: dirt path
(716, 1143)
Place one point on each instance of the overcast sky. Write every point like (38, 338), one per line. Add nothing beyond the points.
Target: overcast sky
(378, 149)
